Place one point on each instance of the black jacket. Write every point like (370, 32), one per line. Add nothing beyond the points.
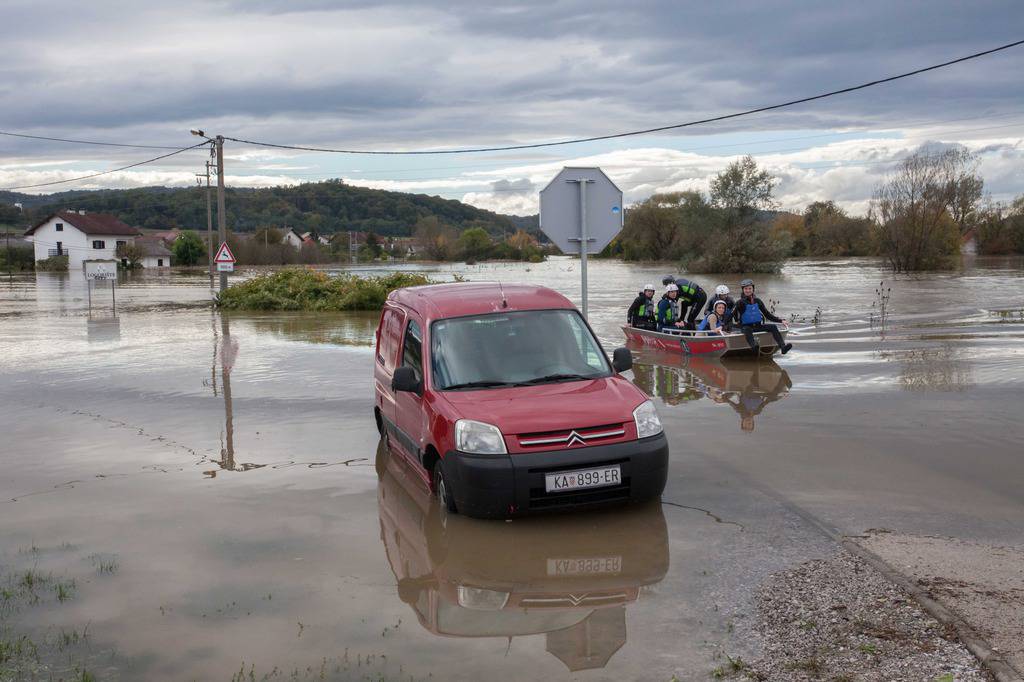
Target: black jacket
(650, 315)
(741, 305)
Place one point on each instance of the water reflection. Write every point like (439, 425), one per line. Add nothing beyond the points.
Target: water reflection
(567, 577)
(938, 368)
(228, 353)
(355, 328)
(103, 329)
(746, 385)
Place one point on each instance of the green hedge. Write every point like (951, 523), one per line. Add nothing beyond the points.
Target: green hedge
(306, 289)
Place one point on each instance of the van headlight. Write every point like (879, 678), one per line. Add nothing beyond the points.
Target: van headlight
(647, 421)
(480, 599)
(478, 438)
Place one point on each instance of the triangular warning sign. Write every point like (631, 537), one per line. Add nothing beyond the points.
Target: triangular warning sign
(224, 254)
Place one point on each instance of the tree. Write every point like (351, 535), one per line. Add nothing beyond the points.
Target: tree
(132, 253)
(791, 226)
(372, 246)
(666, 226)
(474, 244)
(436, 239)
(743, 241)
(966, 188)
(188, 248)
(268, 236)
(742, 188)
(828, 231)
(911, 208)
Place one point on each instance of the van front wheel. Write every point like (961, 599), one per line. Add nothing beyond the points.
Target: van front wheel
(442, 489)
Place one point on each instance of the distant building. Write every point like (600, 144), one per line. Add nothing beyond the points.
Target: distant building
(314, 237)
(80, 236)
(155, 253)
(168, 236)
(292, 238)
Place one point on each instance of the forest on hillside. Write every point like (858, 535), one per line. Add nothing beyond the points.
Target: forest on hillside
(324, 207)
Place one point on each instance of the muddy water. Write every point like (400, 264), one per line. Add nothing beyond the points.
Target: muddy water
(227, 467)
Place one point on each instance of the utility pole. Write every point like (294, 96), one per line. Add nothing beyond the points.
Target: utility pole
(209, 221)
(222, 225)
(222, 228)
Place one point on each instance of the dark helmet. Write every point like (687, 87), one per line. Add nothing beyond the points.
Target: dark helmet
(747, 283)
(668, 279)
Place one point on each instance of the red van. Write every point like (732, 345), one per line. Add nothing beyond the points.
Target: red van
(504, 400)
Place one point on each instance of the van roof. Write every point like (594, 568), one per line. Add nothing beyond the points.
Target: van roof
(438, 301)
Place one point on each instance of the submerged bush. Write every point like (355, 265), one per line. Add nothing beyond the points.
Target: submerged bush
(305, 289)
(53, 264)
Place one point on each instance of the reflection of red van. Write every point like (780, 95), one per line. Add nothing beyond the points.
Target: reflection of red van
(506, 402)
(570, 578)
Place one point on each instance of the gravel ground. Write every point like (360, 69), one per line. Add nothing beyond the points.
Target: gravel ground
(983, 583)
(836, 619)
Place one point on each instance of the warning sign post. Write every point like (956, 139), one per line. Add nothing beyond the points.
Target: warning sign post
(224, 259)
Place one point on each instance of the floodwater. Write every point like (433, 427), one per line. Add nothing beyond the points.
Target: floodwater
(215, 487)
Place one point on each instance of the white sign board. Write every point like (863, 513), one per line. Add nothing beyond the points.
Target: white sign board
(223, 266)
(561, 209)
(101, 269)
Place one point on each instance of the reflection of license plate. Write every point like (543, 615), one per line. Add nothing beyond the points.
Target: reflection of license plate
(582, 478)
(589, 566)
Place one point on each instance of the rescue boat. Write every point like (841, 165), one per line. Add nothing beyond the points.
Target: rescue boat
(707, 344)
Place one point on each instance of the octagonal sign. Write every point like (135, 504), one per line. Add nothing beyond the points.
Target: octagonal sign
(560, 209)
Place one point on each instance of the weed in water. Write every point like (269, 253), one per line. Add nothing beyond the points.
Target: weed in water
(31, 579)
(104, 564)
(65, 590)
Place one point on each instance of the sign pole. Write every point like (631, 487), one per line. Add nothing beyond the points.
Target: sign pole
(113, 295)
(88, 287)
(584, 245)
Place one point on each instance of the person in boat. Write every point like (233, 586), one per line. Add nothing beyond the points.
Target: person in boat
(721, 294)
(691, 299)
(714, 322)
(643, 311)
(668, 309)
(750, 313)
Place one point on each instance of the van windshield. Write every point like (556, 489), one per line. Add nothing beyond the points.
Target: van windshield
(514, 349)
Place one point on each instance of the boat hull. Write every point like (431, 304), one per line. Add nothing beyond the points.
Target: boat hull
(702, 343)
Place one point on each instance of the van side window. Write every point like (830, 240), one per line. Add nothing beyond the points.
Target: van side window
(390, 337)
(412, 350)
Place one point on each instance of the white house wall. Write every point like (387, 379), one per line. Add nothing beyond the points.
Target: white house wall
(77, 245)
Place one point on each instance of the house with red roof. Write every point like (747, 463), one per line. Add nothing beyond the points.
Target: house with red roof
(80, 236)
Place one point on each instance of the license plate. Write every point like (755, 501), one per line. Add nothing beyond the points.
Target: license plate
(582, 478)
(585, 566)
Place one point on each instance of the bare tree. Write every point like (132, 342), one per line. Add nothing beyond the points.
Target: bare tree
(911, 208)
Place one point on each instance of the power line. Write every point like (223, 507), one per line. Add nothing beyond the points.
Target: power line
(113, 170)
(645, 131)
(101, 144)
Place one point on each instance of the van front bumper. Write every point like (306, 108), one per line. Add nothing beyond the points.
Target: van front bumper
(501, 486)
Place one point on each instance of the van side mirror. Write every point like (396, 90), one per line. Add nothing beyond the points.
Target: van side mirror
(622, 360)
(404, 379)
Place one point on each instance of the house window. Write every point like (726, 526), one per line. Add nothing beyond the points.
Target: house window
(159, 262)
(99, 244)
(120, 243)
(59, 227)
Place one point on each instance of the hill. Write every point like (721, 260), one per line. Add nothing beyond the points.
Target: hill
(326, 207)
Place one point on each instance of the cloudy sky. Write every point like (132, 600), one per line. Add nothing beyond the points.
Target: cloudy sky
(420, 74)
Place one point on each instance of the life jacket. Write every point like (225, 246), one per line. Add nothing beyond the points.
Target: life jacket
(672, 312)
(648, 310)
(751, 313)
(703, 326)
(687, 289)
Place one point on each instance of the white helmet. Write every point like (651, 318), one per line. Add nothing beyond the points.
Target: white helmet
(721, 290)
(671, 287)
(719, 302)
(649, 287)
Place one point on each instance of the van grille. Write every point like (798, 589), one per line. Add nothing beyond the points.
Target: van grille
(590, 435)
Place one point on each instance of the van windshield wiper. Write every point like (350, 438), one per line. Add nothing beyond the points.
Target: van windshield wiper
(559, 377)
(483, 383)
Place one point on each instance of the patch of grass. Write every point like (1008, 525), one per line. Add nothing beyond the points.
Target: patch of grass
(312, 290)
(65, 590)
(105, 564)
(948, 677)
(812, 666)
(868, 649)
(20, 649)
(32, 579)
(733, 666)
